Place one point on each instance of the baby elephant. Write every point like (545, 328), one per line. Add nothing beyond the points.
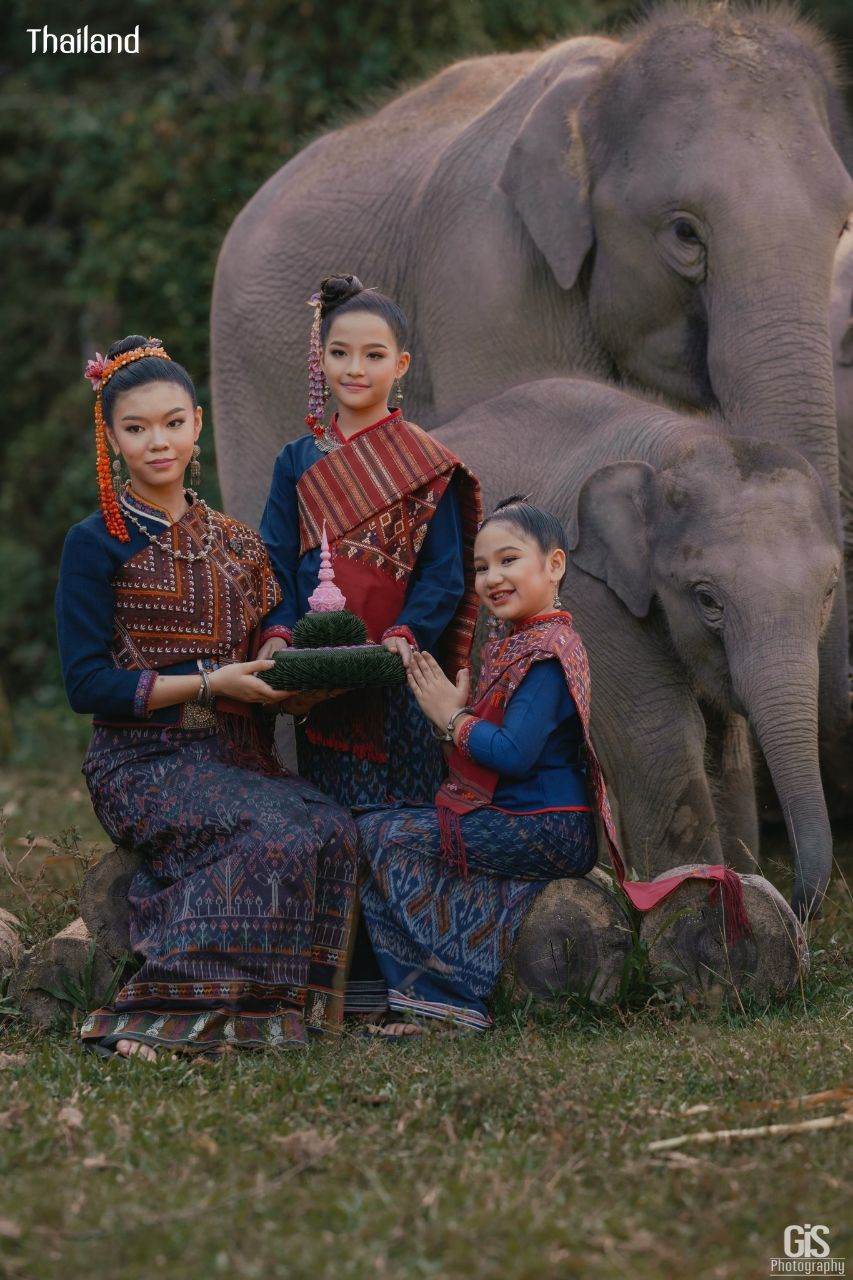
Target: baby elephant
(701, 579)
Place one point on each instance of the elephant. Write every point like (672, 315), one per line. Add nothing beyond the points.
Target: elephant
(701, 574)
(660, 210)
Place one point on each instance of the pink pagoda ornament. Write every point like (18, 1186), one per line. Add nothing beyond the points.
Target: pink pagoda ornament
(328, 597)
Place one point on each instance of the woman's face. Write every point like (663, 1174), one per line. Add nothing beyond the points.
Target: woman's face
(513, 576)
(155, 427)
(361, 360)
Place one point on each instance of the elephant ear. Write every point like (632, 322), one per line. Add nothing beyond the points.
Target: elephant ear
(611, 539)
(544, 177)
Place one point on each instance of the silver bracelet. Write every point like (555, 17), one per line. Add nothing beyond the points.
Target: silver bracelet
(462, 711)
(205, 696)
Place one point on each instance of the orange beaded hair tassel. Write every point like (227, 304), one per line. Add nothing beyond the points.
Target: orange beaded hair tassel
(99, 371)
(110, 509)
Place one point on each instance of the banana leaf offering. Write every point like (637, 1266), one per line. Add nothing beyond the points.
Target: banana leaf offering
(330, 651)
(359, 666)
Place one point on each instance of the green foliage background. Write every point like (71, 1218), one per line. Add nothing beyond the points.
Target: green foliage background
(120, 177)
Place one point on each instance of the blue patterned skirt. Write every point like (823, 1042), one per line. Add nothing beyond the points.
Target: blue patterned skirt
(243, 908)
(414, 771)
(441, 940)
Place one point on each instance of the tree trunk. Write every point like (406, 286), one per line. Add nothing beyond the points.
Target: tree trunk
(103, 900)
(48, 965)
(11, 947)
(686, 941)
(575, 939)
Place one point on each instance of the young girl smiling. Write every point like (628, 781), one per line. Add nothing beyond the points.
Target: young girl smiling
(401, 513)
(244, 901)
(449, 883)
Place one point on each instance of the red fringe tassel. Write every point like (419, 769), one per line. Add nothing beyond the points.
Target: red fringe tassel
(736, 920)
(451, 844)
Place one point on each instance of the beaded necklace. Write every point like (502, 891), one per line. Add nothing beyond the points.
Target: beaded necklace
(189, 556)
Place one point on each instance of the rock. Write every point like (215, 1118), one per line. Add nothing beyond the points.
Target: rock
(575, 938)
(103, 900)
(44, 968)
(686, 941)
(11, 947)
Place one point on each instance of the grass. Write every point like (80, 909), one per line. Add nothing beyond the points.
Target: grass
(520, 1154)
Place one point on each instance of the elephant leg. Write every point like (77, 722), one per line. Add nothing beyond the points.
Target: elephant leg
(649, 733)
(733, 784)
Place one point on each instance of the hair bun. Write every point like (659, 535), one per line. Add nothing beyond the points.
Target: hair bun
(515, 500)
(337, 289)
(130, 343)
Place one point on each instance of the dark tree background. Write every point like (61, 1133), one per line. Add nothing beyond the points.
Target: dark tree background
(120, 176)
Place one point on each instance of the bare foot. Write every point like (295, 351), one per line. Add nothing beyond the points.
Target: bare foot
(136, 1049)
(393, 1030)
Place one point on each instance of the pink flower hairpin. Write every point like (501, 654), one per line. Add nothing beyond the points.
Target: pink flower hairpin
(95, 371)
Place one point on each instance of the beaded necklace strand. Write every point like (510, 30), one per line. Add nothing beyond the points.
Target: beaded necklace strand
(189, 556)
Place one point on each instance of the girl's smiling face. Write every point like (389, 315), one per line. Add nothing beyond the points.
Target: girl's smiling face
(513, 576)
(361, 360)
(155, 427)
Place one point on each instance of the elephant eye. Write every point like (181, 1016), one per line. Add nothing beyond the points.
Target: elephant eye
(685, 231)
(709, 605)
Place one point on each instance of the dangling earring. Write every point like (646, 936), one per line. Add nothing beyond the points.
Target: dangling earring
(558, 604)
(399, 393)
(118, 482)
(195, 467)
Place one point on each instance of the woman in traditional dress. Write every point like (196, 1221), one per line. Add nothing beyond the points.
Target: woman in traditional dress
(401, 512)
(242, 908)
(449, 884)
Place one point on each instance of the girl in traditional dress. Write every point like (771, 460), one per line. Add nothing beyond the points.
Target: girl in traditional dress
(243, 905)
(449, 884)
(401, 513)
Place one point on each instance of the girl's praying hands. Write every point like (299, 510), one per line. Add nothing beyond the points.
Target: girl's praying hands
(437, 696)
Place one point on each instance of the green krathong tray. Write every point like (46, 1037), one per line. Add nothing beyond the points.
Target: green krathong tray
(330, 651)
(360, 666)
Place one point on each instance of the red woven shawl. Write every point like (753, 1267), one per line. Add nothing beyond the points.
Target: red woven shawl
(470, 786)
(377, 494)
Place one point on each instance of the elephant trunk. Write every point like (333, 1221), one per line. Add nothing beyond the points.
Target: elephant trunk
(770, 365)
(781, 698)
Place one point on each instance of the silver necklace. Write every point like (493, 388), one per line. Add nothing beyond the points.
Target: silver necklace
(327, 442)
(189, 556)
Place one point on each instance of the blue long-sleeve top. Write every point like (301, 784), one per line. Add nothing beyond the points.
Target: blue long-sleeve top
(436, 584)
(536, 750)
(85, 607)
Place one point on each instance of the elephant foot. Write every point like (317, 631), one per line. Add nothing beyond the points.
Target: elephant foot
(685, 937)
(575, 939)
